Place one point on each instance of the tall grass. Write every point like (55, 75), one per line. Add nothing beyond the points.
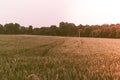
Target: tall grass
(26, 57)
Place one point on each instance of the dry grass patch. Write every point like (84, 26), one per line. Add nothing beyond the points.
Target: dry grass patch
(26, 57)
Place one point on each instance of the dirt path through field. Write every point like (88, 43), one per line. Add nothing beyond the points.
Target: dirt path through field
(84, 46)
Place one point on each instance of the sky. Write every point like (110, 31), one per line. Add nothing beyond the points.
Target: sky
(41, 13)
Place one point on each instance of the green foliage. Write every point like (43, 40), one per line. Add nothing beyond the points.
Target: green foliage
(68, 29)
(1, 29)
(11, 28)
(65, 29)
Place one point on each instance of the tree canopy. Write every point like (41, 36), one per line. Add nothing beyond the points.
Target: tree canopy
(65, 29)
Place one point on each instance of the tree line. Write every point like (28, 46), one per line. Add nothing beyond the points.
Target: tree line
(65, 29)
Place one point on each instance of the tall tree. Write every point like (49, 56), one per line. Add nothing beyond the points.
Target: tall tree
(30, 29)
(1, 29)
(11, 28)
(68, 29)
(54, 30)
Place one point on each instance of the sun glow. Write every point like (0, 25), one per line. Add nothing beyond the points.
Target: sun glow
(95, 11)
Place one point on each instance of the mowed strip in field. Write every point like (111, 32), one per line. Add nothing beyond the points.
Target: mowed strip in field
(30, 57)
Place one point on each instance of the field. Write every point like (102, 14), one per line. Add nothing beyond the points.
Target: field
(30, 57)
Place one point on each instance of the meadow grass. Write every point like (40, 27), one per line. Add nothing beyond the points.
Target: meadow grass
(28, 57)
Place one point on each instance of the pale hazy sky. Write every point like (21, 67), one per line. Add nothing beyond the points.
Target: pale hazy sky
(48, 12)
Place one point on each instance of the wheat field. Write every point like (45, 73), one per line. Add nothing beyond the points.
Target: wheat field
(31, 57)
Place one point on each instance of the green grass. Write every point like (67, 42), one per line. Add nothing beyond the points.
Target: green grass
(27, 57)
